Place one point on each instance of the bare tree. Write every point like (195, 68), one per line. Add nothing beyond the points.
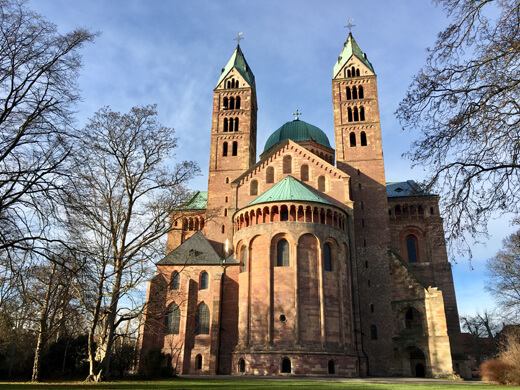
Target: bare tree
(38, 72)
(119, 206)
(463, 106)
(504, 271)
(481, 325)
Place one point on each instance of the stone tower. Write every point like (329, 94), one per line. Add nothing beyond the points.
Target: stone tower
(233, 143)
(359, 153)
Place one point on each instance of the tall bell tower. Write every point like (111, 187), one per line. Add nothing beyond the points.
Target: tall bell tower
(359, 153)
(233, 142)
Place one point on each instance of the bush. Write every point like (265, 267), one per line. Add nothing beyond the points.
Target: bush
(505, 369)
(495, 370)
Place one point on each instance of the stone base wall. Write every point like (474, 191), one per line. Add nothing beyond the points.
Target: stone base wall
(302, 363)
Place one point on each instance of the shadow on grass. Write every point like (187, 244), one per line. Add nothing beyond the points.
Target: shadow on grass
(252, 383)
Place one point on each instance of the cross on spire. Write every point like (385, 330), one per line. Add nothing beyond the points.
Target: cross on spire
(297, 114)
(350, 24)
(239, 37)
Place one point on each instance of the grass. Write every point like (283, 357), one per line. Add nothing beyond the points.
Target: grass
(257, 383)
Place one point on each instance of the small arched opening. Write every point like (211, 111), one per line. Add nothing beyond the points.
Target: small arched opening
(198, 362)
(241, 365)
(331, 367)
(286, 365)
(363, 138)
(352, 139)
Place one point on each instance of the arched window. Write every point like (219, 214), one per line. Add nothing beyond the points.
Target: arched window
(412, 319)
(411, 248)
(269, 175)
(225, 103)
(204, 279)
(352, 138)
(235, 148)
(226, 126)
(241, 365)
(202, 319)
(361, 94)
(176, 279)
(327, 257)
(362, 113)
(224, 149)
(304, 172)
(222, 229)
(331, 367)
(236, 84)
(349, 93)
(243, 258)
(227, 180)
(198, 362)
(282, 253)
(349, 74)
(363, 138)
(353, 70)
(356, 114)
(357, 72)
(172, 319)
(286, 365)
(237, 103)
(349, 114)
(228, 84)
(253, 188)
(235, 128)
(321, 184)
(354, 92)
(287, 164)
(231, 103)
(373, 332)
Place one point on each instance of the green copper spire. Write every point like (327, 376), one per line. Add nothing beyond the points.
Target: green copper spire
(238, 61)
(351, 48)
(290, 189)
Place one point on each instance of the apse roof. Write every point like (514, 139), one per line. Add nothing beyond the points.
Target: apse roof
(290, 189)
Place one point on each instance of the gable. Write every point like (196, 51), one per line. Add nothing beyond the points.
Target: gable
(195, 250)
(337, 181)
(353, 61)
(237, 75)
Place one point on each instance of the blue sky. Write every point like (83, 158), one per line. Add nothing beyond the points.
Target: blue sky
(171, 53)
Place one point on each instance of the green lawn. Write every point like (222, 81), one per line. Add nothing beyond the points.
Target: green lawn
(255, 383)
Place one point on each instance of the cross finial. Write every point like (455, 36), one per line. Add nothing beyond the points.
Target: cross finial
(239, 37)
(350, 24)
(297, 114)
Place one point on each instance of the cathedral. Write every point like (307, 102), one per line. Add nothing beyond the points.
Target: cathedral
(305, 261)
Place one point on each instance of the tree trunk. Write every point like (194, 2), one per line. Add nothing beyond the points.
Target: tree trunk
(42, 331)
(91, 345)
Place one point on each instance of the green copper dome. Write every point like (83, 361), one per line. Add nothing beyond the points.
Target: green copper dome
(297, 130)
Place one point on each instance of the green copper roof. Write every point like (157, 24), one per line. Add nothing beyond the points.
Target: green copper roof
(289, 189)
(238, 61)
(351, 48)
(297, 130)
(198, 202)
